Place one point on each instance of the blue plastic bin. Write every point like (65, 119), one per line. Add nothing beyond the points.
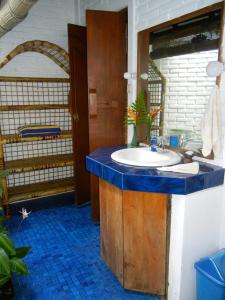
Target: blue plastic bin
(210, 277)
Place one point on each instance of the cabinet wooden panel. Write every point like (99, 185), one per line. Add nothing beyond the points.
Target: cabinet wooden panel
(134, 230)
(111, 228)
(145, 237)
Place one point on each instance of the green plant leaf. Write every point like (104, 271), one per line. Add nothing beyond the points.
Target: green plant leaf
(2, 219)
(4, 279)
(4, 173)
(22, 251)
(3, 230)
(1, 211)
(7, 244)
(18, 266)
(4, 263)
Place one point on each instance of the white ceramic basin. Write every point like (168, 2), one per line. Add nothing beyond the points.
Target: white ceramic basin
(144, 157)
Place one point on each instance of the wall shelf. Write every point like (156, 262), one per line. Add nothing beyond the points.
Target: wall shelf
(29, 191)
(35, 101)
(39, 163)
(33, 107)
(16, 138)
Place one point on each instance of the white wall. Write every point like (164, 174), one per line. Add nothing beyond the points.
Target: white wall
(47, 20)
(152, 12)
(195, 230)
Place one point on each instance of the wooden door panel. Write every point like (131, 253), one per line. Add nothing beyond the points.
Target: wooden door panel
(106, 48)
(79, 107)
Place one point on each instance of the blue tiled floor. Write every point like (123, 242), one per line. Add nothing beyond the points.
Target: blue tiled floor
(64, 262)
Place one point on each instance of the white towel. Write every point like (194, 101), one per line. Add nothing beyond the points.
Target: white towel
(191, 168)
(211, 127)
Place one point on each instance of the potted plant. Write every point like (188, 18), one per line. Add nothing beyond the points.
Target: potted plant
(151, 116)
(136, 115)
(10, 256)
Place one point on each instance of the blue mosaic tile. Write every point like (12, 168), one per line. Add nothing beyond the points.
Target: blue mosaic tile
(64, 262)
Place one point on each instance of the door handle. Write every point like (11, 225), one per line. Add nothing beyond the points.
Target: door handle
(75, 117)
(93, 109)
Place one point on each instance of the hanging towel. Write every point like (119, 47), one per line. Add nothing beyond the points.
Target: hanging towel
(211, 127)
(191, 168)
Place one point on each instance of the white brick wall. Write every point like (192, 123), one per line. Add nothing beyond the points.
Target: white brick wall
(110, 5)
(187, 90)
(47, 20)
(152, 12)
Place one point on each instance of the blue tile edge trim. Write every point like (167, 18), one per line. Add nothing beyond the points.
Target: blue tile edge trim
(150, 179)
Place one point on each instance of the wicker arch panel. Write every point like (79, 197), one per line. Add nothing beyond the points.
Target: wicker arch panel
(53, 51)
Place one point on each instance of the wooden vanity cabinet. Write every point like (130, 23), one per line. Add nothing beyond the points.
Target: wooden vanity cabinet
(134, 237)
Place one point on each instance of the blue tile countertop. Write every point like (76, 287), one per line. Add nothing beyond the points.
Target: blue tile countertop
(146, 179)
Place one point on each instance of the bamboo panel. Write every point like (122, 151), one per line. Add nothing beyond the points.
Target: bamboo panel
(42, 189)
(39, 163)
(16, 138)
(54, 52)
(33, 107)
(1, 156)
(32, 79)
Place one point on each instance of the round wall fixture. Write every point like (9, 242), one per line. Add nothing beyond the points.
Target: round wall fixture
(214, 68)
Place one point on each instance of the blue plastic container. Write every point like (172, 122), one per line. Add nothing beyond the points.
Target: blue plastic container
(210, 277)
(174, 140)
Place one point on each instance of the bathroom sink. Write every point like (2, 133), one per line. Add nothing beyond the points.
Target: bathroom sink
(144, 157)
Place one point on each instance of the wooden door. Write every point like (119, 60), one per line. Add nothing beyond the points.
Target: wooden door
(79, 108)
(106, 51)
